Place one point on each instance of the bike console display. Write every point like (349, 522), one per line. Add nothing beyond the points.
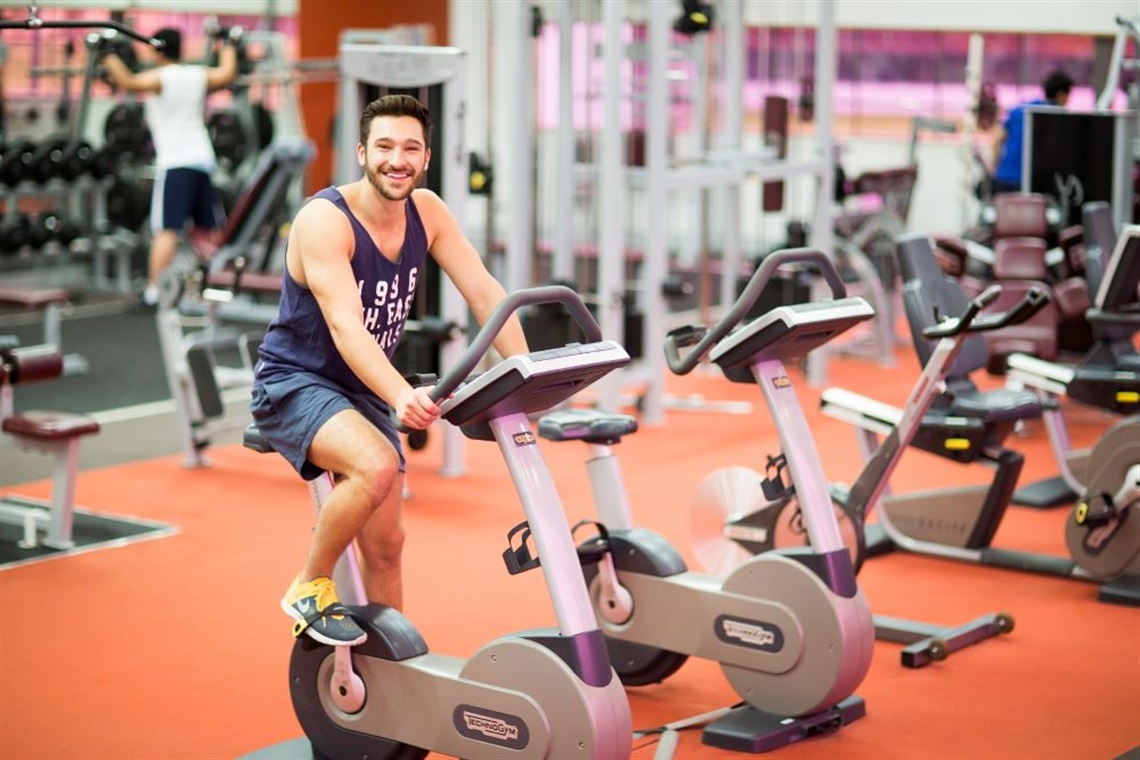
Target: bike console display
(530, 384)
(790, 332)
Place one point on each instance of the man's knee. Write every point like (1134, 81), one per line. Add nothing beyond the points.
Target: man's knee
(374, 468)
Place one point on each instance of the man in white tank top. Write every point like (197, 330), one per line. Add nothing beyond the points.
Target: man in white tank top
(184, 157)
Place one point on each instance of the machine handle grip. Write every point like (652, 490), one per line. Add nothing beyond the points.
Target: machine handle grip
(678, 338)
(956, 325)
(1031, 303)
(416, 380)
(498, 319)
(973, 321)
(684, 365)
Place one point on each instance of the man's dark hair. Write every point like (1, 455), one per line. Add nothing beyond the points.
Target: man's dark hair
(1057, 83)
(171, 43)
(395, 105)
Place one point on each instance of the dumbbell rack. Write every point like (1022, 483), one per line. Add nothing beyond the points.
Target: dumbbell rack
(70, 218)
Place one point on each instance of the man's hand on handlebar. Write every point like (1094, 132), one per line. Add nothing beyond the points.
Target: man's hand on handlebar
(414, 408)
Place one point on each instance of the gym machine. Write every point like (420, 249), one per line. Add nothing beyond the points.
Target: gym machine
(791, 630)
(970, 426)
(1075, 158)
(538, 694)
(56, 434)
(1107, 376)
(739, 513)
(215, 297)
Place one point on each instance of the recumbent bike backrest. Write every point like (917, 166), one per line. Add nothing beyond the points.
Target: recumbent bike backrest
(930, 296)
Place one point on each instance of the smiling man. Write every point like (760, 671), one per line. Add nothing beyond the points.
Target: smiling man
(325, 391)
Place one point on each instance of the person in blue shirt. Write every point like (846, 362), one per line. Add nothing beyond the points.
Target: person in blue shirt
(1011, 139)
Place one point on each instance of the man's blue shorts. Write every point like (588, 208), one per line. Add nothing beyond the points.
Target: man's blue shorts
(289, 410)
(184, 193)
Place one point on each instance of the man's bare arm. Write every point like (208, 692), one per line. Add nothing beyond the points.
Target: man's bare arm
(225, 72)
(462, 264)
(999, 146)
(131, 81)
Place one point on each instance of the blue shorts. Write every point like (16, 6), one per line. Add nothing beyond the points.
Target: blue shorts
(290, 409)
(181, 194)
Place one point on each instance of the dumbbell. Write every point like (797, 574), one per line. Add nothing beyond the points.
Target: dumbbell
(39, 233)
(15, 166)
(66, 230)
(76, 160)
(46, 228)
(13, 233)
(60, 228)
(46, 160)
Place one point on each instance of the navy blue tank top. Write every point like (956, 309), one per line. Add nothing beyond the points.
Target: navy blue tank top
(299, 339)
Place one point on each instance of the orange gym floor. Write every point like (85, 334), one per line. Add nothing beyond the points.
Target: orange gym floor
(176, 647)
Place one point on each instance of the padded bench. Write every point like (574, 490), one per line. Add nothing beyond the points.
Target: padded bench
(51, 301)
(48, 299)
(49, 432)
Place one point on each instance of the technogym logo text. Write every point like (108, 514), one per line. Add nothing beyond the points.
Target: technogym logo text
(490, 726)
(749, 633)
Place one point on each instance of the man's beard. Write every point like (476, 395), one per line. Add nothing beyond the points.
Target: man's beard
(376, 179)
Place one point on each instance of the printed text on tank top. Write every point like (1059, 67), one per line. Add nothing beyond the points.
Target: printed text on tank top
(386, 303)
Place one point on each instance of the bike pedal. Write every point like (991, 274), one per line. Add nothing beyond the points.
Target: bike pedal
(591, 552)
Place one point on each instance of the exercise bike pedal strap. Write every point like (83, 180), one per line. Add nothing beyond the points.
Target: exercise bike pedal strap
(336, 608)
(590, 552)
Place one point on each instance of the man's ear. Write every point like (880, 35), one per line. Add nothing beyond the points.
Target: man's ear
(360, 154)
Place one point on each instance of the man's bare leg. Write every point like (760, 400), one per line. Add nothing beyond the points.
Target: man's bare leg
(163, 246)
(368, 470)
(381, 545)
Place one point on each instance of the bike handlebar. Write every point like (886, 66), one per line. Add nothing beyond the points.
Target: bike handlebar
(970, 321)
(498, 319)
(705, 338)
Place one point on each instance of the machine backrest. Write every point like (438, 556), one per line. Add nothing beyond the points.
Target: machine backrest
(930, 296)
(1020, 215)
(1120, 289)
(1100, 238)
(263, 197)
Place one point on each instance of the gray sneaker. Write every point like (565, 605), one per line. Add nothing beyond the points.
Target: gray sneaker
(316, 611)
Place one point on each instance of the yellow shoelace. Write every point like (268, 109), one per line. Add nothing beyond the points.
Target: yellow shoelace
(324, 594)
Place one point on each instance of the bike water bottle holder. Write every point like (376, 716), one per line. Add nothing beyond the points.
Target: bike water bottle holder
(521, 559)
(773, 484)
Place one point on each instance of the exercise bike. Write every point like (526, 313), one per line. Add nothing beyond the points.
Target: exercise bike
(967, 425)
(739, 513)
(538, 694)
(791, 631)
(1108, 375)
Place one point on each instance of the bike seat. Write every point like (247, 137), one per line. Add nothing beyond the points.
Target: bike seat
(589, 425)
(252, 438)
(998, 405)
